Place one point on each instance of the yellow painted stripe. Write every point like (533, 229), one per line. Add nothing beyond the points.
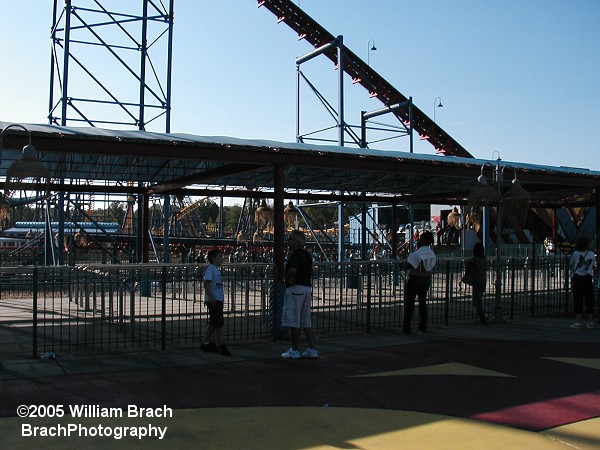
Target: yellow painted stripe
(592, 363)
(439, 369)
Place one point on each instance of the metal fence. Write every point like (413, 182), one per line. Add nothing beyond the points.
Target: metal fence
(112, 307)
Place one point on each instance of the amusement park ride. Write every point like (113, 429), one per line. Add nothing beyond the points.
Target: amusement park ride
(29, 207)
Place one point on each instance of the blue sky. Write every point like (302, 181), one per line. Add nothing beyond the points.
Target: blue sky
(517, 77)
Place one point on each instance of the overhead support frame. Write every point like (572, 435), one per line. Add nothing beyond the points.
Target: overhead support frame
(79, 32)
(366, 116)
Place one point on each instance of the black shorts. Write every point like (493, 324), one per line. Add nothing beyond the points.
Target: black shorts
(215, 314)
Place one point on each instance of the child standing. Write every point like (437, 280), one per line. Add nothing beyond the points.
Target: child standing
(214, 298)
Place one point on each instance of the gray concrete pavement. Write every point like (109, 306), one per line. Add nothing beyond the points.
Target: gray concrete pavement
(525, 384)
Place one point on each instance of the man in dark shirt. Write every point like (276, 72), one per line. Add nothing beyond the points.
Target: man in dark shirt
(298, 297)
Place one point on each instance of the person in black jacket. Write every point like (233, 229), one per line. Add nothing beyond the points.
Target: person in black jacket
(298, 297)
(476, 268)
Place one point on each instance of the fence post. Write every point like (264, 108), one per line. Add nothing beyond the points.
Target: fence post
(263, 300)
(163, 314)
(132, 310)
(512, 268)
(35, 312)
(87, 296)
(448, 293)
(567, 284)
(359, 287)
(247, 295)
(277, 293)
(526, 275)
(103, 298)
(111, 312)
(380, 283)
(233, 289)
(533, 284)
(369, 281)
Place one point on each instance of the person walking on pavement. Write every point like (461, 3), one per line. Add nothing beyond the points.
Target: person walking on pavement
(214, 298)
(582, 270)
(420, 264)
(298, 297)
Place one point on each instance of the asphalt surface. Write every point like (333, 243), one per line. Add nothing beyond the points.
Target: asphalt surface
(525, 384)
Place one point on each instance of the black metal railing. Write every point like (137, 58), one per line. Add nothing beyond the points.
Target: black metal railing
(112, 307)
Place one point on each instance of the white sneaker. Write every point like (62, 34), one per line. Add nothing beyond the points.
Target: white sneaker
(291, 354)
(310, 353)
(575, 325)
(590, 325)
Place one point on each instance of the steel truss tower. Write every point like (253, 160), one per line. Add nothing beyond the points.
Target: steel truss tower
(109, 67)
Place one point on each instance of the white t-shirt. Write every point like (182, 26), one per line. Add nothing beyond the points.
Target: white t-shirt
(213, 275)
(582, 263)
(425, 255)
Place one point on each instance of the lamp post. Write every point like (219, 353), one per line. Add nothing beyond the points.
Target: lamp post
(437, 103)
(370, 48)
(515, 198)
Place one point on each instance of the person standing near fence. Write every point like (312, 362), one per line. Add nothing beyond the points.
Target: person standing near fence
(476, 268)
(582, 270)
(550, 248)
(214, 299)
(420, 264)
(298, 297)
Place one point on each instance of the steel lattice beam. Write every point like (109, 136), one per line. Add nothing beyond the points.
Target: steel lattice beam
(308, 29)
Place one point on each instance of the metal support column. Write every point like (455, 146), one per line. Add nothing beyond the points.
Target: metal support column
(341, 124)
(363, 232)
(394, 230)
(144, 212)
(341, 128)
(166, 228)
(498, 314)
(279, 224)
(61, 228)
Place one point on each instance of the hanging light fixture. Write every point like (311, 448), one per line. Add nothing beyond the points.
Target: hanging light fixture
(482, 193)
(290, 215)
(26, 179)
(4, 207)
(257, 237)
(263, 215)
(241, 238)
(454, 218)
(516, 200)
(473, 219)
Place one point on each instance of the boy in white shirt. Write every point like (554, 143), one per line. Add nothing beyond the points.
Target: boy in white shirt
(214, 298)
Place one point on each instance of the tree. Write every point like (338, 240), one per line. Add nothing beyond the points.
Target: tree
(116, 212)
(325, 214)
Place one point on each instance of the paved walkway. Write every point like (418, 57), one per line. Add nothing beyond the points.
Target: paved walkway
(527, 384)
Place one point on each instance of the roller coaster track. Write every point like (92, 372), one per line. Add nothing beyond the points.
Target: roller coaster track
(308, 29)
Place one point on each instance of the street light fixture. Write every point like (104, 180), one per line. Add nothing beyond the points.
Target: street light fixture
(437, 103)
(515, 201)
(370, 48)
(27, 174)
(290, 216)
(4, 207)
(263, 215)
